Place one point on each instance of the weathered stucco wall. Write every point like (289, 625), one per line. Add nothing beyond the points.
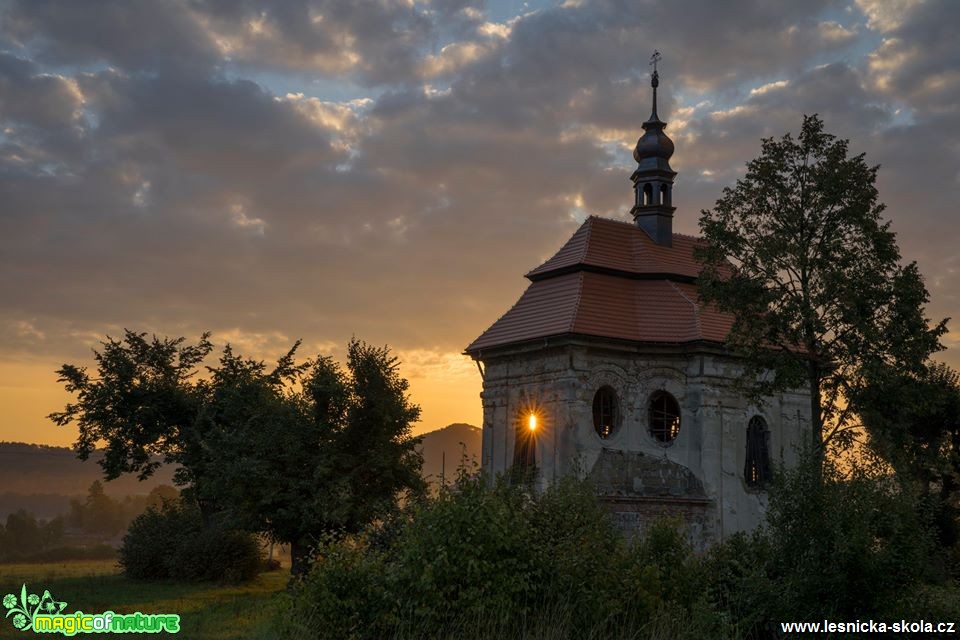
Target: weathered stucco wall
(559, 383)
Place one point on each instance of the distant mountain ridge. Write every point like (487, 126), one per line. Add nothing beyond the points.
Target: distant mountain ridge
(38, 468)
(42, 478)
(444, 449)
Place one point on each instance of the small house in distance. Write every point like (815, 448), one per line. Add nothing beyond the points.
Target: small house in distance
(609, 366)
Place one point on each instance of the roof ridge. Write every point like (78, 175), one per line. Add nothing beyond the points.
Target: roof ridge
(696, 307)
(585, 226)
(614, 220)
(586, 240)
(627, 223)
(576, 305)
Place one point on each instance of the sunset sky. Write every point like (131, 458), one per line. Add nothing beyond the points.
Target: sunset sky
(278, 170)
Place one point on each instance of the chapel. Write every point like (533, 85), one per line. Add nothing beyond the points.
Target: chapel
(609, 367)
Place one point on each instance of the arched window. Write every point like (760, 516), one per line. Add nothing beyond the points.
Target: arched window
(525, 449)
(664, 195)
(756, 469)
(606, 412)
(664, 417)
(647, 195)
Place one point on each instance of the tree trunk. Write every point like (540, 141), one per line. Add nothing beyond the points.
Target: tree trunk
(816, 415)
(207, 509)
(299, 560)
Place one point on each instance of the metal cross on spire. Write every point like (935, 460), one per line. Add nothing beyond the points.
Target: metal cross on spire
(654, 82)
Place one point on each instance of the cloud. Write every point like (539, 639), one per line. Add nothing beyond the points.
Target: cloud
(886, 15)
(134, 34)
(275, 170)
(918, 60)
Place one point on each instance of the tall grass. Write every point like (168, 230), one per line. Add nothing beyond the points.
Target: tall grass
(207, 611)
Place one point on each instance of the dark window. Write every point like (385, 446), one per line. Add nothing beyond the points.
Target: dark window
(647, 195)
(664, 417)
(756, 470)
(606, 412)
(664, 195)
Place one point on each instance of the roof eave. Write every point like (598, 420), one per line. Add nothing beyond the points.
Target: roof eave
(619, 344)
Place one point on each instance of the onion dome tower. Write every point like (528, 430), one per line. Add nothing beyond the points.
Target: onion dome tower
(653, 179)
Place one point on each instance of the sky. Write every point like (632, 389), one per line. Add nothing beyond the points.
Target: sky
(281, 170)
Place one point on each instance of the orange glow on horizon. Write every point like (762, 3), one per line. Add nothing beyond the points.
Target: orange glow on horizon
(446, 387)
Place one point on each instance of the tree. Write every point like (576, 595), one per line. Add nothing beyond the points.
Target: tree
(99, 514)
(913, 419)
(332, 459)
(160, 495)
(143, 405)
(296, 451)
(798, 253)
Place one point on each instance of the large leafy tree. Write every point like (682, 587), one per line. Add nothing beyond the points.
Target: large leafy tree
(326, 460)
(798, 252)
(294, 450)
(141, 406)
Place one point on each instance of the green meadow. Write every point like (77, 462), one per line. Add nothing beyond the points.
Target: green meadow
(207, 611)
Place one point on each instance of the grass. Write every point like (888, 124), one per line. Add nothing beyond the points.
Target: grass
(207, 611)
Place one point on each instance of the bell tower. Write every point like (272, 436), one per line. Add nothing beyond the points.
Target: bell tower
(653, 179)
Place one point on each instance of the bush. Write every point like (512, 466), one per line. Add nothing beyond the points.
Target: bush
(845, 545)
(344, 596)
(502, 562)
(469, 553)
(479, 562)
(171, 543)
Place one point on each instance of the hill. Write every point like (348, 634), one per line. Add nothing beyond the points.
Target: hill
(42, 479)
(444, 449)
(41, 469)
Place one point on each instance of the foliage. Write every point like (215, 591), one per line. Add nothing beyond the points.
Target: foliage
(99, 514)
(295, 451)
(913, 419)
(480, 561)
(798, 253)
(348, 433)
(209, 611)
(142, 403)
(23, 536)
(171, 543)
(374, 455)
(499, 555)
(344, 596)
(470, 550)
(845, 545)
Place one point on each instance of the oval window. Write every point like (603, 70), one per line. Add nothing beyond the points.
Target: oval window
(606, 412)
(664, 417)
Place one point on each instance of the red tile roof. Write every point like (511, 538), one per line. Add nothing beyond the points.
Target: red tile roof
(611, 280)
(622, 246)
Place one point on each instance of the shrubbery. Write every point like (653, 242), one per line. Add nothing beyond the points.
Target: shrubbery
(23, 536)
(171, 543)
(495, 559)
(481, 562)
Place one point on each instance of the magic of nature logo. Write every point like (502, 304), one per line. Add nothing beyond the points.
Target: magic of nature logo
(44, 614)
